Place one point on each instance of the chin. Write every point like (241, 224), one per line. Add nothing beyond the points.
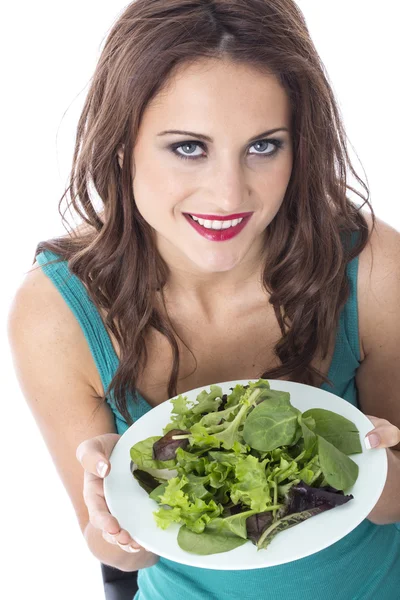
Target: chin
(215, 264)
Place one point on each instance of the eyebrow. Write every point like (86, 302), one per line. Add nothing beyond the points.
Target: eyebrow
(206, 138)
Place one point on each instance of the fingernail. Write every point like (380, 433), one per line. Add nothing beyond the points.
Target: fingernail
(101, 468)
(128, 548)
(372, 441)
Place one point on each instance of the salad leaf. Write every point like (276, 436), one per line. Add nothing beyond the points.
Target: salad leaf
(208, 402)
(251, 487)
(303, 497)
(165, 448)
(244, 466)
(145, 480)
(208, 542)
(339, 470)
(142, 455)
(179, 508)
(287, 522)
(257, 524)
(272, 424)
(337, 430)
(310, 439)
(158, 491)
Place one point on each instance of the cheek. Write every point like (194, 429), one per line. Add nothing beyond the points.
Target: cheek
(280, 178)
(157, 195)
(272, 187)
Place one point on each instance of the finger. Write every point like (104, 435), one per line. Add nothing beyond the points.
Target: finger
(99, 513)
(123, 540)
(377, 421)
(100, 516)
(383, 436)
(93, 454)
(130, 547)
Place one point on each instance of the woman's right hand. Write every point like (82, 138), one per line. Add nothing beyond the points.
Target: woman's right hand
(93, 454)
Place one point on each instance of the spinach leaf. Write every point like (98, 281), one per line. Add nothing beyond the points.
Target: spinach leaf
(208, 542)
(339, 470)
(310, 440)
(236, 523)
(271, 424)
(337, 430)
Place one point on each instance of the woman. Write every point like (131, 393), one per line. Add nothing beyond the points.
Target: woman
(227, 249)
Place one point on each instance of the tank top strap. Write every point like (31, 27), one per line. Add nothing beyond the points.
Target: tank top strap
(346, 358)
(350, 310)
(77, 298)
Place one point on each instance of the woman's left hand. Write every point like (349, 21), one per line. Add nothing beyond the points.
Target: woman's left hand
(385, 435)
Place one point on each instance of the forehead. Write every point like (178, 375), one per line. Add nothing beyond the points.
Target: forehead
(216, 90)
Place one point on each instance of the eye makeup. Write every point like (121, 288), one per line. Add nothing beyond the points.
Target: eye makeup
(278, 144)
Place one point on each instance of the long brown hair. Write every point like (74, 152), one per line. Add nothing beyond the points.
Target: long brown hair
(307, 247)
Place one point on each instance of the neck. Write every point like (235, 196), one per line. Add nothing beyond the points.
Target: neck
(212, 294)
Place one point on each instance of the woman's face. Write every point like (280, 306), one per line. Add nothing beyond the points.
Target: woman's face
(226, 169)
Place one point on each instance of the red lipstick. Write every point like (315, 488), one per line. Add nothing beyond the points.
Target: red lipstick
(219, 235)
(219, 218)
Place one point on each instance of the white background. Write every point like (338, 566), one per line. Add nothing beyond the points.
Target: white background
(48, 54)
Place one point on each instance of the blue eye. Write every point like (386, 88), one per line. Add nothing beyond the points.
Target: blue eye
(185, 146)
(188, 148)
(276, 143)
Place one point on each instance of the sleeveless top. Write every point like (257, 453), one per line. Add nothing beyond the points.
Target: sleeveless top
(364, 565)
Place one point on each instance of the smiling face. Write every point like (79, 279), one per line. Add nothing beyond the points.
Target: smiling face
(228, 173)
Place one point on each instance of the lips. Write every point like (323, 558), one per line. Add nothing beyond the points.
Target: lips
(218, 218)
(219, 235)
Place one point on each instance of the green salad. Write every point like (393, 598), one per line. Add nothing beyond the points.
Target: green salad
(241, 467)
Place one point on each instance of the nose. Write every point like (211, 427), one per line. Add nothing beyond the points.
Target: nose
(230, 190)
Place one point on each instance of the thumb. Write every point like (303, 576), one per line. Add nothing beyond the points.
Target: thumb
(94, 453)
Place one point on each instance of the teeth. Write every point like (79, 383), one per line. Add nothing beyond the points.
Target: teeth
(217, 224)
(226, 224)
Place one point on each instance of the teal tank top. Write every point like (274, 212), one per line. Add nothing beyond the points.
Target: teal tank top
(364, 565)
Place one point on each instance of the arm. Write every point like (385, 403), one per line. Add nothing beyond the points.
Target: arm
(378, 377)
(49, 353)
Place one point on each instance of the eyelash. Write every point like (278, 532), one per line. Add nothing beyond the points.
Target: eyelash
(277, 143)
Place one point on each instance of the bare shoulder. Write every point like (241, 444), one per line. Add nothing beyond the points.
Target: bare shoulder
(38, 310)
(384, 243)
(378, 280)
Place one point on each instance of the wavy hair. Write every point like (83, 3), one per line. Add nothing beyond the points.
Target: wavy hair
(116, 258)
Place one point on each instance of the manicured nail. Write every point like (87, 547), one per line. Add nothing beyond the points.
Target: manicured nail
(101, 468)
(372, 441)
(128, 548)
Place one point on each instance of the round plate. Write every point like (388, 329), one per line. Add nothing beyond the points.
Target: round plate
(133, 508)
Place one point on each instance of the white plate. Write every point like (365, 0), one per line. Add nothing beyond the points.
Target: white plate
(133, 508)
